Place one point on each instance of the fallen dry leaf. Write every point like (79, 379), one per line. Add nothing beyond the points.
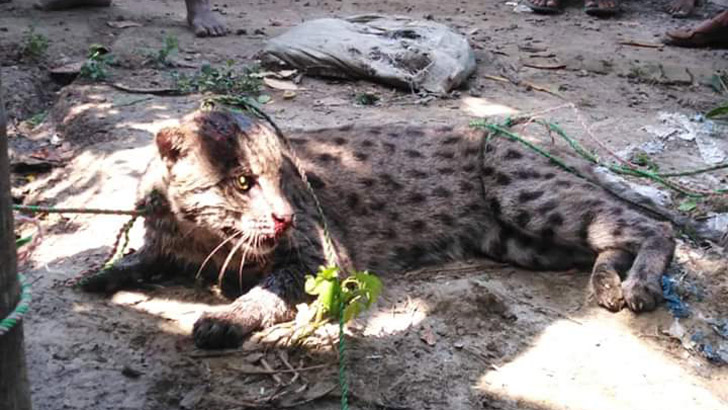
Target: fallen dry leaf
(280, 84)
(641, 44)
(123, 24)
(555, 66)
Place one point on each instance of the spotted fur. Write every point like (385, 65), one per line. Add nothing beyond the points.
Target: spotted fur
(396, 197)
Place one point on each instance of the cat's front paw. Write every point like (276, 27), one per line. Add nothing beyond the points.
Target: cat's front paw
(607, 288)
(255, 310)
(221, 330)
(641, 296)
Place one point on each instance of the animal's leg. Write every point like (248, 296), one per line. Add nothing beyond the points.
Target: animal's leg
(651, 242)
(605, 279)
(265, 305)
(126, 272)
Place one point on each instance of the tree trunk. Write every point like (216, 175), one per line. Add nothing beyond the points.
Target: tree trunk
(14, 391)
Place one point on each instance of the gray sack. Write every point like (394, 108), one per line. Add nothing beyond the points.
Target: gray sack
(397, 51)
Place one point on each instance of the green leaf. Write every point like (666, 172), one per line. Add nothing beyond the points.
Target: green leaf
(22, 241)
(721, 111)
(370, 285)
(688, 205)
(329, 296)
(342, 299)
(310, 285)
(353, 309)
(329, 273)
(264, 99)
(37, 119)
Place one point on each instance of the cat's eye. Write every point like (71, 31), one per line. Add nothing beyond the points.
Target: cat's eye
(243, 182)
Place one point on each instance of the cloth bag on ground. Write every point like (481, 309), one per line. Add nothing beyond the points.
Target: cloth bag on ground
(397, 51)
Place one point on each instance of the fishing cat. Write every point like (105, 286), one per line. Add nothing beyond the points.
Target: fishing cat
(228, 200)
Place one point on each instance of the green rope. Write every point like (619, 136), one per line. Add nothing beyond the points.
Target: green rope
(343, 381)
(121, 243)
(497, 129)
(594, 159)
(50, 209)
(620, 169)
(116, 251)
(332, 257)
(694, 171)
(20, 309)
(572, 142)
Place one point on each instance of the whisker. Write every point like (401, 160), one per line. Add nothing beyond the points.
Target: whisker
(214, 251)
(232, 252)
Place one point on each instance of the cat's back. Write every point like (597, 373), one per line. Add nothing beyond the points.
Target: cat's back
(397, 185)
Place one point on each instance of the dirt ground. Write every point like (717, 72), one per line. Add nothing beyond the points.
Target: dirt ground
(472, 336)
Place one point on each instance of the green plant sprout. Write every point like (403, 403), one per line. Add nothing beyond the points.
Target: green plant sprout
(37, 119)
(366, 99)
(219, 80)
(160, 58)
(342, 299)
(96, 63)
(34, 44)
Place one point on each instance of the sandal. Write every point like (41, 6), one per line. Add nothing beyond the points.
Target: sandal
(596, 9)
(544, 8)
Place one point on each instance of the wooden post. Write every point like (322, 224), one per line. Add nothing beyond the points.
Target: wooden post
(14, 391)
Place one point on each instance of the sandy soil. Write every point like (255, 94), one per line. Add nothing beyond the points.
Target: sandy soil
(470, 336)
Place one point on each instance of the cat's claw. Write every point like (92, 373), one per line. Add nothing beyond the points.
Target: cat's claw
(640, 296)
(607, 289)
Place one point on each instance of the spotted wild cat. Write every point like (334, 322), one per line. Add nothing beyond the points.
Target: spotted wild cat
(396, 197)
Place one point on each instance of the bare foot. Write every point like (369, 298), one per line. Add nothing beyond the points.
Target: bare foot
(712, 32)
(70, 4)
(681, 8)
(202, 20)
(544, 6)
(601, 8)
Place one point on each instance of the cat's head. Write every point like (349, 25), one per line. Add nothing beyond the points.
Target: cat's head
(224, 172)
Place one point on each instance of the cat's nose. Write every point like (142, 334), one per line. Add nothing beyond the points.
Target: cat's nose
(281, 222)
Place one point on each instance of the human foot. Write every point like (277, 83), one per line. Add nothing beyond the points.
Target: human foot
(202, 21)
(70, 4)
(601, 8)
(712, 32)
(681, 8)
(544, 6)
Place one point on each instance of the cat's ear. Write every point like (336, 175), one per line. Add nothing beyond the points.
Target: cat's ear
(169, 143)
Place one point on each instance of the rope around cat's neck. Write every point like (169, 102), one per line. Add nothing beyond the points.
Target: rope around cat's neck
(332, 257)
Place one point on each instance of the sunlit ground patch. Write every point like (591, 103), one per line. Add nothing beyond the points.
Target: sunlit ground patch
(599, 365)
(481, 107)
